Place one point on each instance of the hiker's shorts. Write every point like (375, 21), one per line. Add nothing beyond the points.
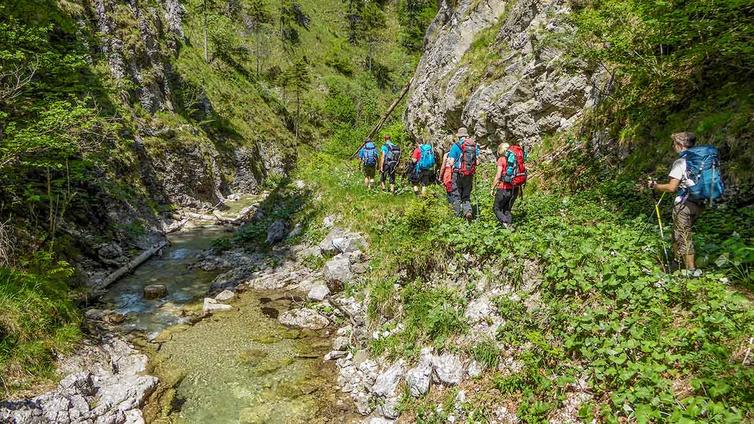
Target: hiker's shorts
(426, 176)
(369, 171)
(685, 215)
(389, 173)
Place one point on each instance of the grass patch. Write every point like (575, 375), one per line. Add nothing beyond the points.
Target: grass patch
(38, 321)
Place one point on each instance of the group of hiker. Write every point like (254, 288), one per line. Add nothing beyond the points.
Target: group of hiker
(694, 177)
(454, 169)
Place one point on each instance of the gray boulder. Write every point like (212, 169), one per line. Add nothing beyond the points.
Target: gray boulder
(388, 380)
(225, 296)
(211, 306)
(448, 369)
(338, 269)
(276, 232)
(418, 378)
(318, 292)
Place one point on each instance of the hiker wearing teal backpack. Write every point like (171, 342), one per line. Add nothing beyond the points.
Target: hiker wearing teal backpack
(368, 156)
(391, 156)
(696, 180)
(423, 158)
(463, 158)
(509, 181)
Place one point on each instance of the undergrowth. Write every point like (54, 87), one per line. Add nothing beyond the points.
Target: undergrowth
(650, 346)
(38, 321)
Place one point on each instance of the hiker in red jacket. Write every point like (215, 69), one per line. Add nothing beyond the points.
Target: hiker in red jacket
(509, 181)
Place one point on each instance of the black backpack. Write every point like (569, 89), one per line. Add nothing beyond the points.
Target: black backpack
(393, 155)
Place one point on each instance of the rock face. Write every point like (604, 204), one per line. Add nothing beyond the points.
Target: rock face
(514, 88)
(108, 386)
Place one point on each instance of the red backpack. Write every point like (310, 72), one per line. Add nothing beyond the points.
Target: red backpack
(468, 157)
(516, 171)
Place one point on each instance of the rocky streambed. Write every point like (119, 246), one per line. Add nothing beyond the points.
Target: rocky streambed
(234, 337)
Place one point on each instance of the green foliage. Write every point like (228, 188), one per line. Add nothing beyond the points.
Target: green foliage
(669, 66)
(415, 16)
(37, 321)
(647, 344)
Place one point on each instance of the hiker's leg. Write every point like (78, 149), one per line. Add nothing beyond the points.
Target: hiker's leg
(498, 206)
(466, 185)
(455, 195)
(684, 216)
(509, 204)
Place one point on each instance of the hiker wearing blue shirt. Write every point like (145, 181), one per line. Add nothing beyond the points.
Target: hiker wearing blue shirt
(389, 159)
(368, 156)
(463, 159)
(423, 160)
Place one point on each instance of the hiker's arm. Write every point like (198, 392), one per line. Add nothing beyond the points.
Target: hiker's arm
(669, 187)
(497, 177)
(382, 161)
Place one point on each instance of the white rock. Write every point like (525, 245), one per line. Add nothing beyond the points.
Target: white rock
(389, 407)
(318, 292)
(212, 306)
(336, 354)
(303, 318)
(329, 221)
(341, 343)
(448, 369)
(225, 296)
(479, 309)
(338, 269)
(387, 381)
(349, 243)
(474, 369)
(418, 378)
(362, 401)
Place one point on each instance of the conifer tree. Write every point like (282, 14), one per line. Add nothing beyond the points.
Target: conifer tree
(298, 78)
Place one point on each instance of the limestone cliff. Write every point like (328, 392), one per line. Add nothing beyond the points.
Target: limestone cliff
(488, 66)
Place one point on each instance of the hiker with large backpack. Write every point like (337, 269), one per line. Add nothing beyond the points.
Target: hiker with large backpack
(696, 180)
(509, 181)
(391, 156)
(463, 159)
(369, 158)
(423, 158)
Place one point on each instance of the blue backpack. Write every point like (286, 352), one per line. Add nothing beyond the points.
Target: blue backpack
(427, 158)
(369, 154)
(703, 168)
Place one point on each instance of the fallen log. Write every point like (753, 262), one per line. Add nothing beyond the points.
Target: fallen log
(131, 265)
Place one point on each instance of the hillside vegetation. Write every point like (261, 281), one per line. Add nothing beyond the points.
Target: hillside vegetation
(113, 114)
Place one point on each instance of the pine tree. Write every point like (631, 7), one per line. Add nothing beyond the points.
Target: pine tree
(255, 17)
(298, 78)
(371, 27)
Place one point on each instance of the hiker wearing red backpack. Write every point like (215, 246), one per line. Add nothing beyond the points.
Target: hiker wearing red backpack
(423, 158)
(509, 181)
(463, 159)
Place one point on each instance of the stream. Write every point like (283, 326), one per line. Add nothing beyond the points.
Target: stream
(239, 366)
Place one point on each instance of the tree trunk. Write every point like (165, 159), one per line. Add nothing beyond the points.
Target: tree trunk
(131, 265)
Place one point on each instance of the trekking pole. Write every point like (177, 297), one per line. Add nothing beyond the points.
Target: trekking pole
(662, 232)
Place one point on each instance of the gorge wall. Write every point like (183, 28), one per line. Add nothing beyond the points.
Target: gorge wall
(488, 66)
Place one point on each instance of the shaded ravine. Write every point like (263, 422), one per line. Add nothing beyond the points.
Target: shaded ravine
(230, 367)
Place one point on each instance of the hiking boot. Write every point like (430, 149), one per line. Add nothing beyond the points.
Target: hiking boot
(469, 217)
